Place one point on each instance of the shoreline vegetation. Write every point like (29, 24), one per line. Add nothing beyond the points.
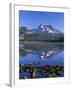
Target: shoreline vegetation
(39, 42)
(42, 40)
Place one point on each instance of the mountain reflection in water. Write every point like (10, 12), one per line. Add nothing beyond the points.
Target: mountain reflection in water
(36, 57)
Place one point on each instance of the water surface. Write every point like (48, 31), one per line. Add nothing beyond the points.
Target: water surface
(41, 60)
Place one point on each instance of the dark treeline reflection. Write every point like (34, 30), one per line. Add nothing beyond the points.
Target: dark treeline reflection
(35, 68)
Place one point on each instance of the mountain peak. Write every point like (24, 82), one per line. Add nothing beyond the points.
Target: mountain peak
(48, 29)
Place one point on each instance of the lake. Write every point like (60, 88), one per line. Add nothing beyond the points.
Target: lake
(41, 60)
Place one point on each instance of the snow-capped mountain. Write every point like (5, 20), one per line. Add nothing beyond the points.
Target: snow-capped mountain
(41, 33)
(48, 29)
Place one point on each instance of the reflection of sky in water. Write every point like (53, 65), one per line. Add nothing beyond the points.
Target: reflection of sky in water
(39, 55)
(34, 59)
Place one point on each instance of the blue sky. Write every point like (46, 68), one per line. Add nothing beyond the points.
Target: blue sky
(32, 19)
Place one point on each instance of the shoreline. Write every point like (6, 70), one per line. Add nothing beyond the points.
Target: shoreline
(41, 42)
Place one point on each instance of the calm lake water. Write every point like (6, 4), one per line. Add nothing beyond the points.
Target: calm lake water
(41, 60)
